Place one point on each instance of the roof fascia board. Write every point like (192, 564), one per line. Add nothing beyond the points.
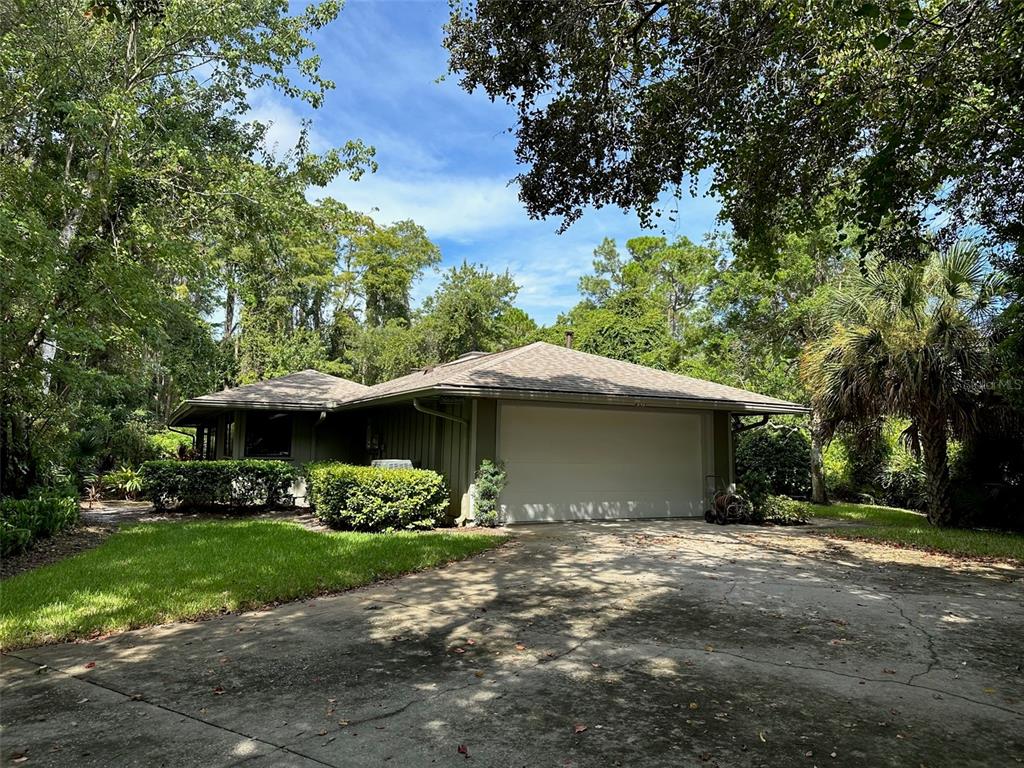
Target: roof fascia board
(196, 408)
(571, 397)
(263, 405)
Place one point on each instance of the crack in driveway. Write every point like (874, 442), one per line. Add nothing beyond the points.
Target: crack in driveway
(714, 620)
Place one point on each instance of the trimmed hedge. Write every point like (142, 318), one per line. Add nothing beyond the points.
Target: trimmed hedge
(22, 521)
(375, 498)
(231, 483)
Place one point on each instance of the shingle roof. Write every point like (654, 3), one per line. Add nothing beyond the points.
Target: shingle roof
(305, 389)
(548, 369)
(538, 370)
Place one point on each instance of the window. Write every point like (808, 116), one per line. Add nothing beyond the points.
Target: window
(268, 434)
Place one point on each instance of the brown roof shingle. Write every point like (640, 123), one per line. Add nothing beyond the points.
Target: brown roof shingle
(305, 389)
(549, 369)
(536, 370)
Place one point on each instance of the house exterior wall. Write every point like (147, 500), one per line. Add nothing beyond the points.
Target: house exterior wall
(430, 442)
(451, 448)
(340, 437)
(723, 461)
(402, 432)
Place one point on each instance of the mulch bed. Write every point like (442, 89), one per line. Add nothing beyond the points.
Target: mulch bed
(54, 548)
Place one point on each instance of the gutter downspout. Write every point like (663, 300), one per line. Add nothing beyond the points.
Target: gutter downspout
(440, 414)
(738, 426)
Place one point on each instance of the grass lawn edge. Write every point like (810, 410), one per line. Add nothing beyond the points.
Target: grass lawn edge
(953, 554)
(491, 541)
(898, 528)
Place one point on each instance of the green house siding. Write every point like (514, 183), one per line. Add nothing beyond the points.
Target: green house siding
(486, 432)
(429, 441)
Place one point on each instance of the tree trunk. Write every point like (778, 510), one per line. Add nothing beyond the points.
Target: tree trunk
(932, 427)
(820, 436)
(229, 310)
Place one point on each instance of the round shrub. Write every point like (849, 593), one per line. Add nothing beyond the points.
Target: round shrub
(375, 498)
(780, 457)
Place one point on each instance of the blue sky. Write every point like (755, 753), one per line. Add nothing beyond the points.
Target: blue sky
(445, 156)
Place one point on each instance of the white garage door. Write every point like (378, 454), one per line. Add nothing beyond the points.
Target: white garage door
(600, 463)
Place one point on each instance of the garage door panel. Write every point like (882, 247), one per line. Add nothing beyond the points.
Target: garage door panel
(595, 509)
(594, 476)
(593, 463)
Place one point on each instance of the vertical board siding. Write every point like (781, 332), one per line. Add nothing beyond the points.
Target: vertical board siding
(429, 442)
(341, 437)
(486, 432)
(404, 433)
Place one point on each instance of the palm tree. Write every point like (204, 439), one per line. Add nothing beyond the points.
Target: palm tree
(910, 340)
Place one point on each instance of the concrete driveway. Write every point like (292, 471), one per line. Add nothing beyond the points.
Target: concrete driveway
(655, 644)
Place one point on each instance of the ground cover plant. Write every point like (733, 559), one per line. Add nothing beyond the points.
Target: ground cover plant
(22, 521)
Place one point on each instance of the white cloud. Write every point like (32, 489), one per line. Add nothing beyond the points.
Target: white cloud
(446, 205)
(283, 122)
(480, 219)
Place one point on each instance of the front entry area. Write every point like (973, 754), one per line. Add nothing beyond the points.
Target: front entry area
(594, 463)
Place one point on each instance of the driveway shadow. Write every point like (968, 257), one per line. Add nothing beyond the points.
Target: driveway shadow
(659, 643)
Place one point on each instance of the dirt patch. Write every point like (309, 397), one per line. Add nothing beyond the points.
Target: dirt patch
(888, 553)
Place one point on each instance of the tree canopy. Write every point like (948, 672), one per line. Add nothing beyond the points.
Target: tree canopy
(131, 185)
(904, 109)
(913, 341)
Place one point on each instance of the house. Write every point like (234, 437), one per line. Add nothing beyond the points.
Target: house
(581, 436)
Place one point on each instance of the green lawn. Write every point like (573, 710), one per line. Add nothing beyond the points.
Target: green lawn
(152, 573)
(911, 529)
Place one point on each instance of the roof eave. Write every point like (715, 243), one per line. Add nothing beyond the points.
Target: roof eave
(738, 406)
(197, 405)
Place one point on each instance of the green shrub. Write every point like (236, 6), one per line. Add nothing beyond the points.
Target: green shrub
(838, 472)
(126, 480)
(374, 498)
(169, 444)
(903, 482)
(489, 483)
(22, 521)
(755, 486)
(231, 483)
(868, 448)
(780, 510)
(782, 454)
